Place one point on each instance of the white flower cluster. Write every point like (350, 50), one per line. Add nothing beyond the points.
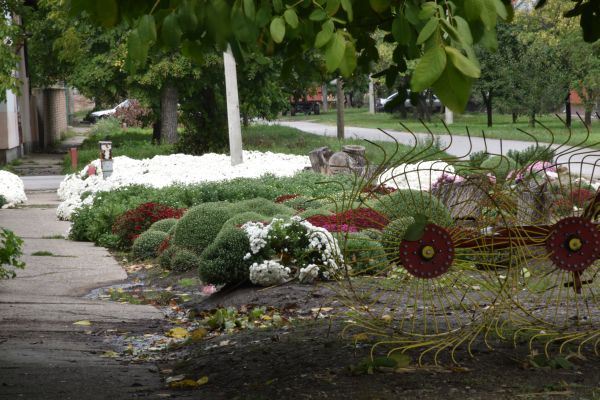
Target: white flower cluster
(161, 171)
(12, 189)
(419, 176)
(269, 273)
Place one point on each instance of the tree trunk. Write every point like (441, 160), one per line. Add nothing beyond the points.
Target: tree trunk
(324, 95)
(514, 117)
(156, 139)
(168, 113)
(588, 117)
(487, 99)
(340, 109)
(532, 119)
(568, 110)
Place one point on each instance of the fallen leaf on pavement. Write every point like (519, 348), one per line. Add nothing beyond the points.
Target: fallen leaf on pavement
(178, 333)
(202, 381)
(109, 354)
(198, 334)
(83, 323)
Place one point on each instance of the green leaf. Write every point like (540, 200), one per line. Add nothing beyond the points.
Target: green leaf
(488, 14)
(137, 51)
(347, 6)
(277, 29)
(249, 9)
(462, 63)
(147, 28)
(500, 9)
(171, 33)
(416, 230)
(188, 20)
(464, 30)
(427, 11)
(401, 30)
(107, 12)
(291, 17)
(428, 30)
(332, 7)
(348, 64)
(278, 6)
(472, 10)
(334, 52)
(263, 16)
(317, 15)
(386, 362)
(323, 37)
(453, 88)
(402, 360)
(451, 31)
(379, 5)
(193, 50)
(428, 69)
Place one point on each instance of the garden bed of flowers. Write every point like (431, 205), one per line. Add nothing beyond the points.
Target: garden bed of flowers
(12, 190)
(162, 171)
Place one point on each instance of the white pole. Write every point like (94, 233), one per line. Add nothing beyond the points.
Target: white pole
(371, 97)
(448, 116)
(233, 108)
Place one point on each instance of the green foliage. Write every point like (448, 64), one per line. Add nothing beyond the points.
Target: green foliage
(164, 259)
(364, 254)
(200, 225)
(10, 252)
(477, 157)
(410, 203)
(146, 245)
(260, 206)
(530, 155)
(164, 225)
(2, 200)
(109, 240)
(393, 234)
(302, 203)
(500, 166)
(184, 260)
(223, 261)
(241, 218)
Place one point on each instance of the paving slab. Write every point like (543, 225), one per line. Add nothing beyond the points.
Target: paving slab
(43, 355)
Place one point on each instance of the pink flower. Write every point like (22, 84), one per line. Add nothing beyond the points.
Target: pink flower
(541, 166)
(492, 178)
(208, 289)
(447, 178)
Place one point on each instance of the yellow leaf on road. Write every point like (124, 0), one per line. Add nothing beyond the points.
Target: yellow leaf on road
(198, 334)
(184, 384)
(109, 354)
(85, 322)
(202, 381)
(178, 333)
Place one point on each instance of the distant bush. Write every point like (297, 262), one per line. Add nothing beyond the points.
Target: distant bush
(146, 245)
(530, 155)
(499, 166)
(477, 157)
(134, 115)
(133, 222)
(260, 206)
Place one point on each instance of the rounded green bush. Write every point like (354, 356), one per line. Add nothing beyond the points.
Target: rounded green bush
(163, 225)
(364, 254)
(260, 206)
(164, 259)
(184, 260)
(393, 235)
(200, 225)
(223, 261)
(500, 166)
(304, 203)
(408, 203)
(311, 212)
(146, 245)
(240, 219)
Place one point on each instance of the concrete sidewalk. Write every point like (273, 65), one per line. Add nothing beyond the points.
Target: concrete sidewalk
(461, 146)
(43, 355)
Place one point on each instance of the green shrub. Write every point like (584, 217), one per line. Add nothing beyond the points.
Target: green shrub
(408, 203)
(240, 219)
(304, 203)
(11, 250)
(146, 245)
(315, 211)
(164, 259)
(500, 166)
(2, 200)
(109, 240)
(364, 254)
(184, 260)
(530, 155)
(393, 235)
(223, 261)
(260, 206)
(477, 157)
(200, 225)
(164, 225)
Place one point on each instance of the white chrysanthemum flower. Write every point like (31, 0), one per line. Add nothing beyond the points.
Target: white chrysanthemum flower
(12, 189)
(418, 176)
(268, 273)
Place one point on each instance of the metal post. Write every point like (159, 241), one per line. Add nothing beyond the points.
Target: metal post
(106, 161)
(448, 116)
(340, 108)
(74, 160)
(324, 95)
(233, 108)
(371, 97)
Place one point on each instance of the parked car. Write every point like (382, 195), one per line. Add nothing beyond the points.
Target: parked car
(436, 104)
(306, 107)
(96, 115)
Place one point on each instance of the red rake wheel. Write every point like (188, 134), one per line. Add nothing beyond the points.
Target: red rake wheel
(430, 256)
(574, 244)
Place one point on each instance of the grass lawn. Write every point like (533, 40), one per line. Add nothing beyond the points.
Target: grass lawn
(136, 143)
(503, 127)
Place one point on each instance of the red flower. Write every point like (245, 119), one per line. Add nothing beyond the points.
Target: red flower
(350, 220)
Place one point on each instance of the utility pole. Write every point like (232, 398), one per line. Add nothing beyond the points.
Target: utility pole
(324, 95)
(371, 97)
(448, 116)
(340, 108)
(233, 108)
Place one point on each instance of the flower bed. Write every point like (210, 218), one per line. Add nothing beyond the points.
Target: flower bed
(162, 171)
(350, 220)
(12, 189)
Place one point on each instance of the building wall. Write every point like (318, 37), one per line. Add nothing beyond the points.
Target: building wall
(51, 115)
(10, 142)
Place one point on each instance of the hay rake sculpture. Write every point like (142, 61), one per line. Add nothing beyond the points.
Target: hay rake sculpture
(475, 252)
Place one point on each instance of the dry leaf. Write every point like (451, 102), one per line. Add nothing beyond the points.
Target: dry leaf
(110, 354)
(178, 333)
(175, 378)
(84, 322)
(198, 334)
(184, 384)
(202, 381)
